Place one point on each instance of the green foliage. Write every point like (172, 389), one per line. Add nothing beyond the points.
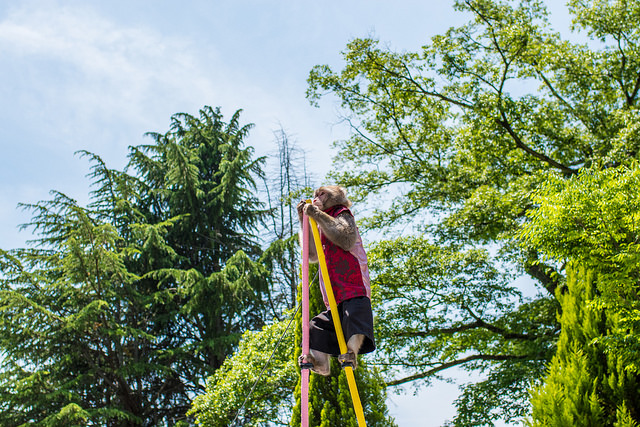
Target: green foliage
(270, 402)
(200, 176)
(443, 307)
(122, 309)
(330, 402)
(71, 325)
(590, 222)
(200, 172)
(585, 384)
(594, 218)
(461, 133)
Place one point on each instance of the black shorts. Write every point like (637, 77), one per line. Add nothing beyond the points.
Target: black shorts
(356, 318)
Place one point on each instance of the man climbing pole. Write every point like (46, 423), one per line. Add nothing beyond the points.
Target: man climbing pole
(346, 263)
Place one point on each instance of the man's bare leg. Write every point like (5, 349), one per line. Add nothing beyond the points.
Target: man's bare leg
(353, 348)
(355, 342)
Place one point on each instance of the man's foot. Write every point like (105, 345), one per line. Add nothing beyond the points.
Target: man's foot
(348, 359)
(307, 361)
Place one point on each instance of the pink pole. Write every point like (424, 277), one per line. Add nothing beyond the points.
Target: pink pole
(304, 382)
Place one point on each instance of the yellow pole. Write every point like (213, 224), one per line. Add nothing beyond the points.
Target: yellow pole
(353, 389)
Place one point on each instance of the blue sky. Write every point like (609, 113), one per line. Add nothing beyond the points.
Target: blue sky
(96, 75)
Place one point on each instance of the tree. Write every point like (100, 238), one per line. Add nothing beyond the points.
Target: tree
(589, 222)
(74, 325)
(463, 132)
(200, 173)
(586, 385)
(463, 296)
(254, 387)
(123, 308)
(592, 219)
(289, 181)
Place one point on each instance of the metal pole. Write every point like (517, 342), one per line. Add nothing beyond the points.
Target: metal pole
(304, 381)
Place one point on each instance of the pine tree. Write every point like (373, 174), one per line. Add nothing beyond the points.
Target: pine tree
(199, 176)
(122, 309)
(585, 386)
(73, 325)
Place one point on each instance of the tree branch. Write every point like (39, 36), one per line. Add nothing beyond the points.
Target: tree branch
(500, 331)
(543, 274)
(419, 88)
(520, 144)
(452, 363)
(477, 324)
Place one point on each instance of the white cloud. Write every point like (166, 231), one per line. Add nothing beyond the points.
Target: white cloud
(87, 80)
(93, 44)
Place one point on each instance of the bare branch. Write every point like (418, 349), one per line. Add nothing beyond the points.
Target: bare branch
(457, 362)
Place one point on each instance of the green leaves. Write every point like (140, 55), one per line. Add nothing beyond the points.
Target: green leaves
(439, 304)
(584, 379)
(122, 309)
(230, 386)
(593, 219)
(461, 135)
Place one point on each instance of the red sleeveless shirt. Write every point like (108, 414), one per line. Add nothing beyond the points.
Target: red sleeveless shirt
(348, 270)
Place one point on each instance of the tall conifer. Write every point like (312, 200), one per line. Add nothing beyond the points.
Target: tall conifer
(122, 309)
(585, 385)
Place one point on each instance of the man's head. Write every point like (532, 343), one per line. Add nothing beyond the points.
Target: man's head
(328, 196)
